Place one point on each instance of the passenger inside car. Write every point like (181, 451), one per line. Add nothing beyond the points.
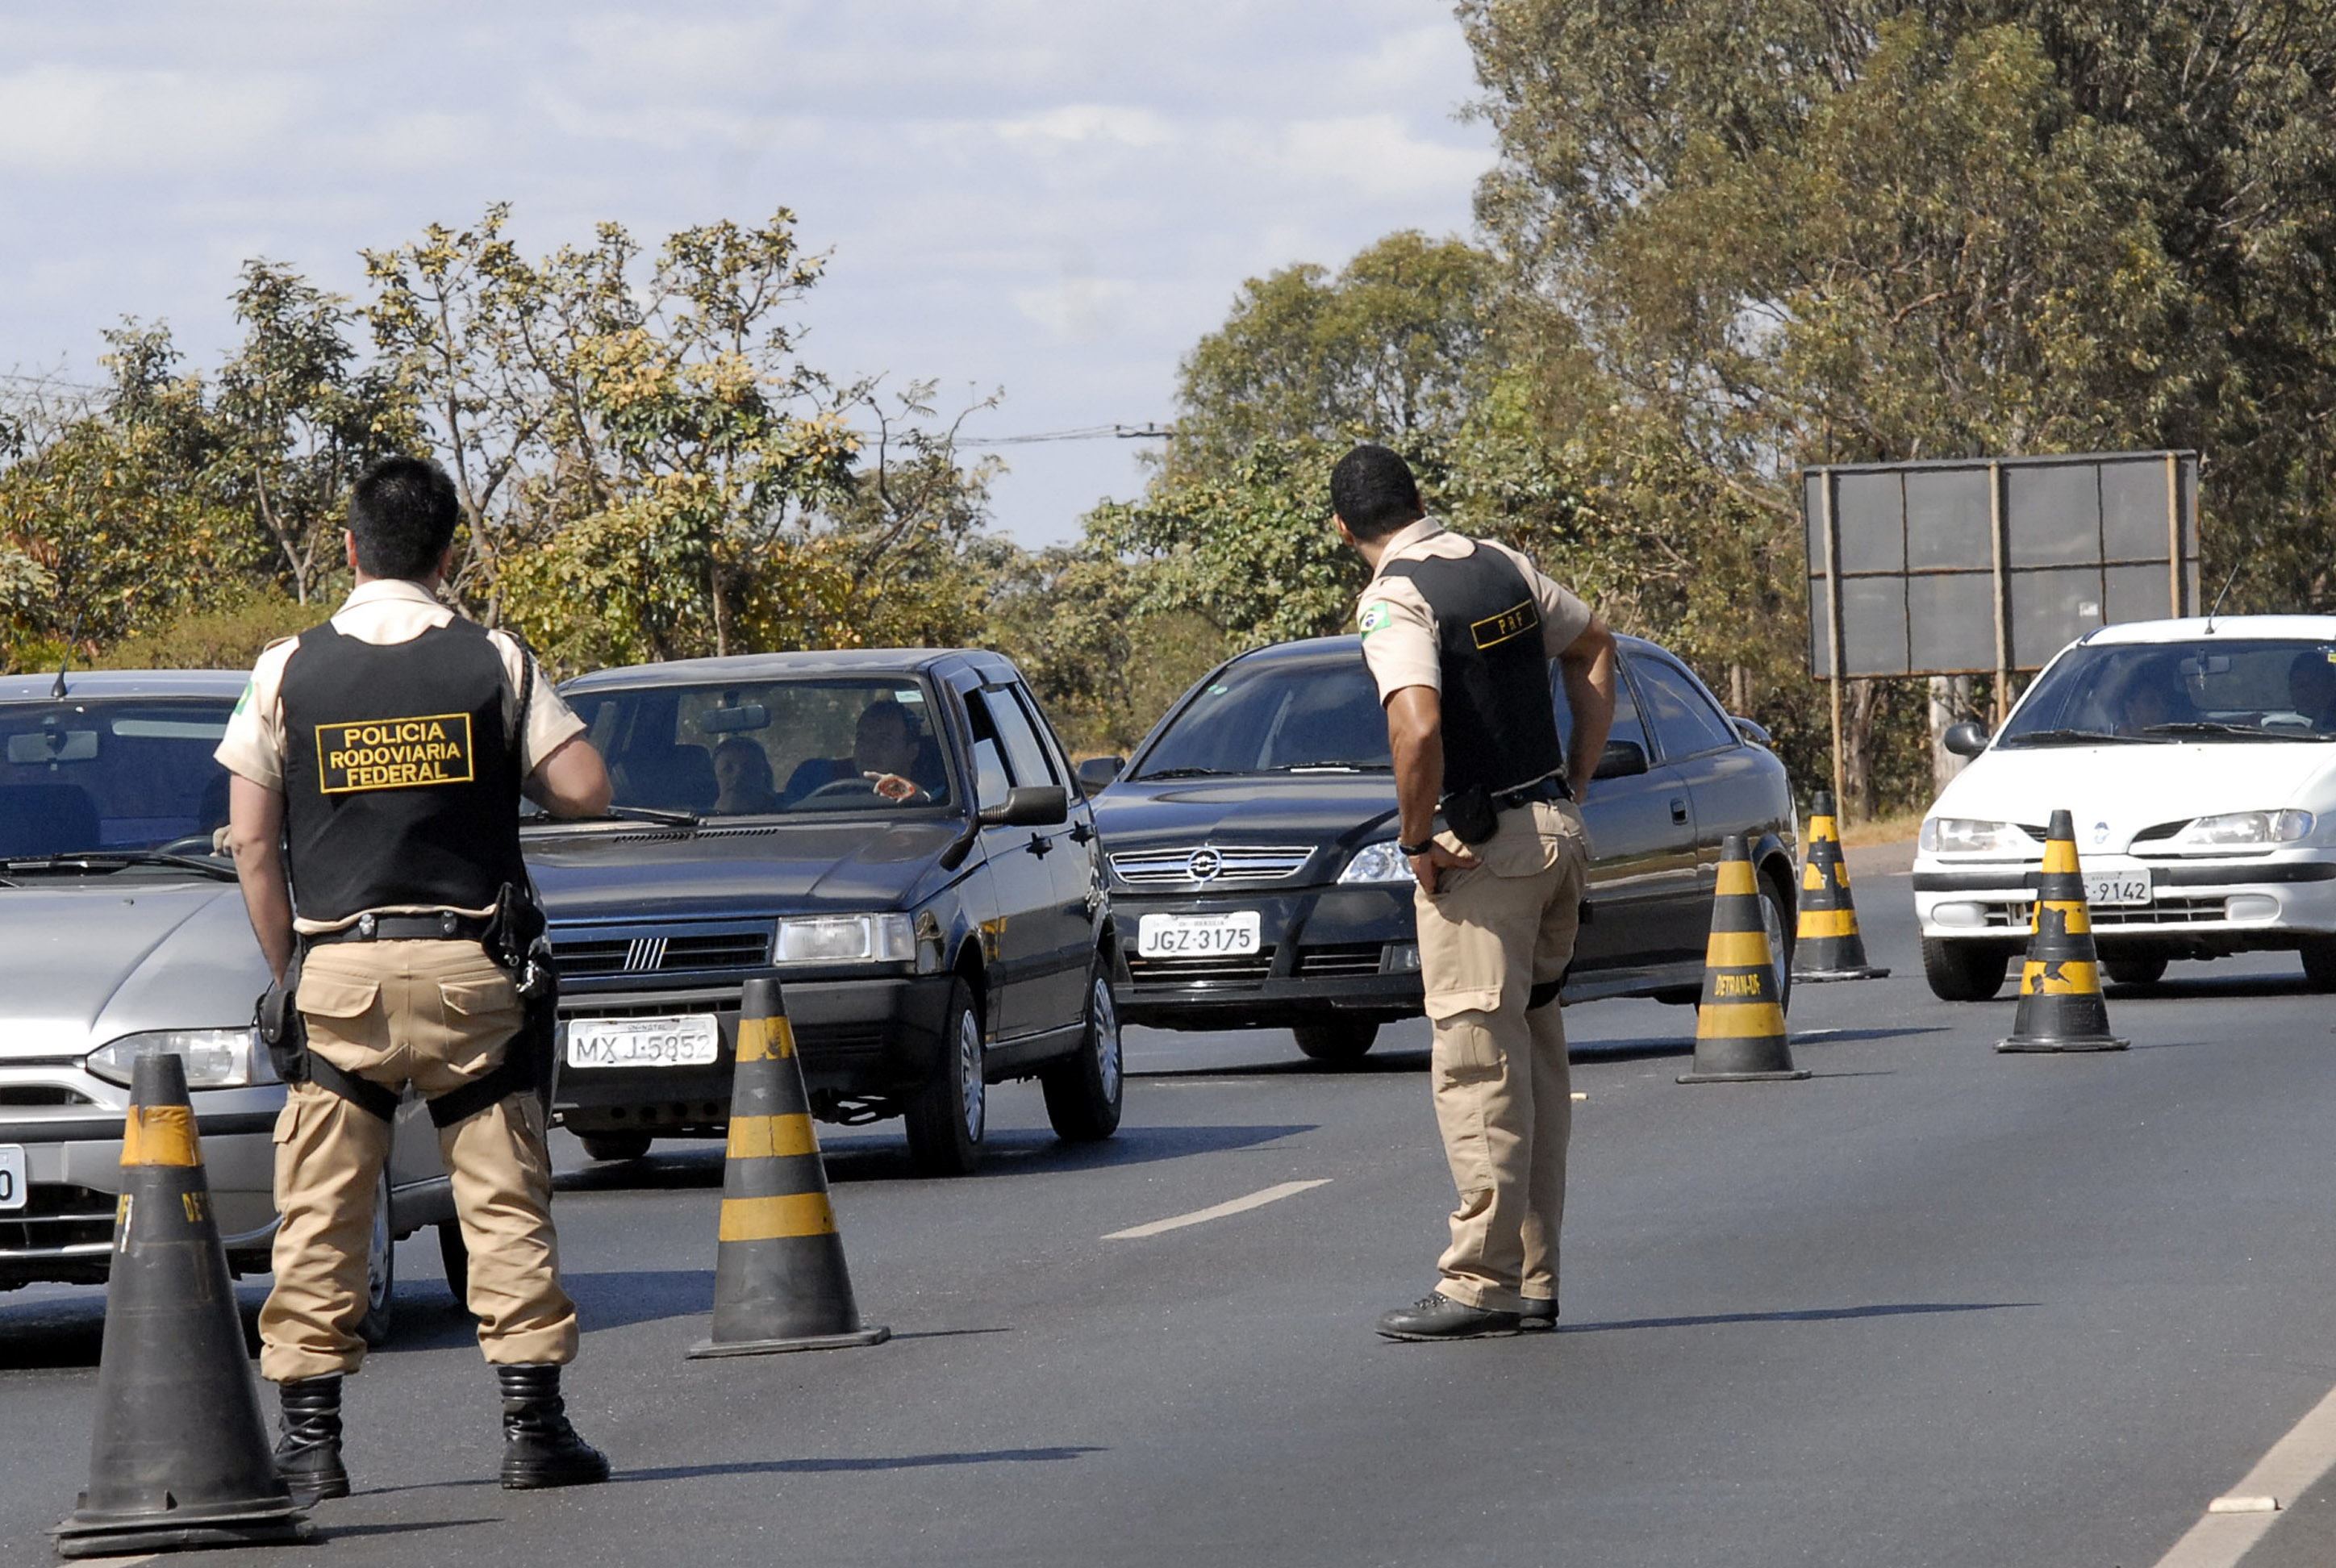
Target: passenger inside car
(742, 777)
(2312, 687)
(888, 755)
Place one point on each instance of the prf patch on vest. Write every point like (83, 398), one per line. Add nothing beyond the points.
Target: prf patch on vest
(1515, 621)
(392, 753)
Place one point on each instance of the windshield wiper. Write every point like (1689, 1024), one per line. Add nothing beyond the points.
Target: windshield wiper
(1187, 773)
(2075, 737)
(2216, 727)
(654, 814)
(108, 860)
(1336, 767)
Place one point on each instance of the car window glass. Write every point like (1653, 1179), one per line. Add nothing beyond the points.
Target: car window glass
(1627, 725)
(89, 774)
(2222, 690)
(1057, 762)
(1276, 716)
(1026, 759)
(758, 747)
(991, 779)
(1685, 721)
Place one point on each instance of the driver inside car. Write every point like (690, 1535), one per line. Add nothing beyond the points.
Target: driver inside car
(2312, 687)
(884, 753)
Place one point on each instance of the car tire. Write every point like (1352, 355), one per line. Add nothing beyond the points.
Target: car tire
(948, 1114)
(381, 1271)
(2319, 955)
(455, 1255)
(2138, 971)
(1083, 1092)
(1779, 921)
(1339, 1041)
(614, 1145)
(1963, 971)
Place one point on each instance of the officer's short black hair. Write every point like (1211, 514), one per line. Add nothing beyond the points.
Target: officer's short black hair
(403, 513)
(1374, 493)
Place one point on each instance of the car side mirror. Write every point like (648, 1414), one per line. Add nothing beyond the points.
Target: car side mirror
(1098, 770)
(1622, 759)
(1965, 739)
(1756, 734)
(1029, 807)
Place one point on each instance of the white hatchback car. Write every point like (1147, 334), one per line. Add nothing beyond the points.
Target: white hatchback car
(2198, 759)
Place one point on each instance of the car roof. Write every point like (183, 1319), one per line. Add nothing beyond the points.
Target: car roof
(2194, 629)
(1325, 649)
(125, 683)
(783, 665)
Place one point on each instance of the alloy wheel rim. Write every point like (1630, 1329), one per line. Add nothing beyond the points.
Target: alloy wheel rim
(972, 1091)
(1106, 1030)
(1772, 926)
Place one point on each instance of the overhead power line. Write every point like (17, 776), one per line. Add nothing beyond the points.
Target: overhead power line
(1084, 433)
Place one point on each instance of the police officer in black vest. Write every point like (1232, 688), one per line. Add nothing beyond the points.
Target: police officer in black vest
(378, 762)
(1459, 634)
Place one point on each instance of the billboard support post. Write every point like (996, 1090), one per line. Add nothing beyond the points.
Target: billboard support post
(2002, 596)
(1833, 634)
(2174, 535)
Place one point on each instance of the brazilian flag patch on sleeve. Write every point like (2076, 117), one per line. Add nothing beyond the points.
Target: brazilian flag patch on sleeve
(1376, 615)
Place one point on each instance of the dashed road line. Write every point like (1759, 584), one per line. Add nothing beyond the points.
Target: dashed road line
(2242, 1516)
(1218, 1211)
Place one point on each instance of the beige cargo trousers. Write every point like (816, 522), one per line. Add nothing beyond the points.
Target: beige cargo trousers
(438, 1015)
(1504, 1093)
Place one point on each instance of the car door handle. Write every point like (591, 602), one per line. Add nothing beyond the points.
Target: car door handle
(1679, 810)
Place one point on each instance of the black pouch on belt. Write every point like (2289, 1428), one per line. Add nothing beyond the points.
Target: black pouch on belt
(281, 1028)
(1470, 815)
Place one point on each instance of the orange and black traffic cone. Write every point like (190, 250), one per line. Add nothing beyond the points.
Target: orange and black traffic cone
(1739, 1028)
(1827, 947)
(2060, 1004)
(179, 1457)
(780, 1282)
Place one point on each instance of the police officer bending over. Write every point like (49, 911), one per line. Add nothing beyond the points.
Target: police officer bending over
(386, 751)
(1458, 633)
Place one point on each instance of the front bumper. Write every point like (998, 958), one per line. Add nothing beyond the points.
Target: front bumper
(2209, 906)
(864, 1043)
(1349, 950)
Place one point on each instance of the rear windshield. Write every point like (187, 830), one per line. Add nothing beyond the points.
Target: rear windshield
(96, 775)
(763, 748)
(1276, 716)
(2212, 690)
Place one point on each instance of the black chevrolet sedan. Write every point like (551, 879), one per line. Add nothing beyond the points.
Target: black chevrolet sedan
(1252, 842)
(894, 835)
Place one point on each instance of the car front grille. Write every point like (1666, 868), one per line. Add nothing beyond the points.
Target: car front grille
(588, 957)
(57, 1216)
(1235, 864)
(2165, 911)
(1250, 966)
(1339, 959)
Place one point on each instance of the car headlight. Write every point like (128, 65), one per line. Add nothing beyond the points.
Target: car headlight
(2233, 828)
(1963, 836)
(1379, 863)
(215, 1058)
(845, 940)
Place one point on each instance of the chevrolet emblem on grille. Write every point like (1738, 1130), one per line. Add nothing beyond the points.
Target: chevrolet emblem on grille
(1204, 864)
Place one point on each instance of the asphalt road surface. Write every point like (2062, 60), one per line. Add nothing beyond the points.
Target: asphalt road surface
(1932, 1306)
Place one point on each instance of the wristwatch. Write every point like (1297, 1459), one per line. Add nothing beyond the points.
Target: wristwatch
(1412, 851)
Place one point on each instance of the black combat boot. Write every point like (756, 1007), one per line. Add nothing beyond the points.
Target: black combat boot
(309, 1455)
(540, 1447)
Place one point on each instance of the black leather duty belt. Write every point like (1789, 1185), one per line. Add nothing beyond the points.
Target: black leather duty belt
(1552, 788)
(443, 926)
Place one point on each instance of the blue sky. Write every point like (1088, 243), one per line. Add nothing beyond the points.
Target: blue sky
(1052, 197)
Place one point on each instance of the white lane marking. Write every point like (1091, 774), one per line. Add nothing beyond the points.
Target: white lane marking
(1218, 1211)
(2223, 1534)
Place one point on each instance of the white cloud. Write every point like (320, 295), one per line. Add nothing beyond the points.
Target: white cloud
(60, 119)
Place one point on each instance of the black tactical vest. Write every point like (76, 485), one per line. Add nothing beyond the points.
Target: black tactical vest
(1500, 731)
(401, 773)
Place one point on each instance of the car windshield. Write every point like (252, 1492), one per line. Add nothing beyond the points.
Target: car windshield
(98, 774)
(2212, 690)
(1276, 716)
(760, 748)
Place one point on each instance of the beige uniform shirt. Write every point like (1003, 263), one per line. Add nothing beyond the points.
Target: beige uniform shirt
(1399, 630)
(383, 612)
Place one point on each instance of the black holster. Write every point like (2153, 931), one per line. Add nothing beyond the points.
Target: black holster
(1470, 815)
(516, 941)
(276, 1017)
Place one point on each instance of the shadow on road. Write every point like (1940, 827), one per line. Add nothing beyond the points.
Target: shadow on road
(1008, 1153)
(1807, 1315)
(1642, 1049)
(59, 1335)
(626, 1476)
(1409, 1061)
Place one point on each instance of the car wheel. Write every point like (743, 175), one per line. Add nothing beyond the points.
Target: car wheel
(615, 1145)
(1776, 922)
(1963, 971)
(454, 1254)
(1083, 1092)
(947, 1117)
(1339, 1040)
(2319, 962)
(381, 1271)
(2137, 971)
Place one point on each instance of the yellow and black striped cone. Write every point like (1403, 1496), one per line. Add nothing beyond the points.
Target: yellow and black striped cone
(180, 1454)
(1827, 946)
(1739, 1028)
(780, 1282)
(2060, 1004)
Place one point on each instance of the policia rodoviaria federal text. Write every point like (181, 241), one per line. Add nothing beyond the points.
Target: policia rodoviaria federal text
(1458, 634)
(378, 762)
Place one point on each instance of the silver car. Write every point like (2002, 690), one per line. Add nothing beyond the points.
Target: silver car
(121, 930)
